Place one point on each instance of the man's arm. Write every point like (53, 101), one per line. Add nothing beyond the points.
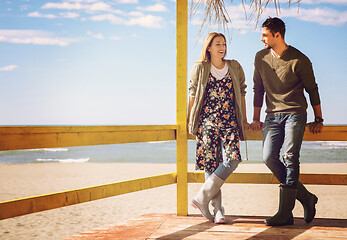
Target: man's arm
(314, 126)
(258, 98)
(305, 72)
(256, 125)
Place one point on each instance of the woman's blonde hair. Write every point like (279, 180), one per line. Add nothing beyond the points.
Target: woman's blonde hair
(205, 55)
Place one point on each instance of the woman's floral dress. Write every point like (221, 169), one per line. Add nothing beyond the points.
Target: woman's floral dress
(217, 126)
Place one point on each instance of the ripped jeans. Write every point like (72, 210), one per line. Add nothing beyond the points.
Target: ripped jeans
(283, 130)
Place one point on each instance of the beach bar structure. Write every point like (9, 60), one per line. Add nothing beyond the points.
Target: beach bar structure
(32, 137)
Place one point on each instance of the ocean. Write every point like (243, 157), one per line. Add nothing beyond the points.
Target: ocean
(162, 152)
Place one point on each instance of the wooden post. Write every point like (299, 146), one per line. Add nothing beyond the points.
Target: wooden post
(181, 85)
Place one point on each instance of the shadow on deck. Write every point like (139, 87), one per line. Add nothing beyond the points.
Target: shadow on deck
(170, 226)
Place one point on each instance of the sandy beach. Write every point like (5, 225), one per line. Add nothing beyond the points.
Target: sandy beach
(25, 180)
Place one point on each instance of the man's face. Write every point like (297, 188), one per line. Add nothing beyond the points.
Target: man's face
(267, 38)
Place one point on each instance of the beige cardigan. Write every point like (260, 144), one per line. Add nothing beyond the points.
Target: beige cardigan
(199, 76)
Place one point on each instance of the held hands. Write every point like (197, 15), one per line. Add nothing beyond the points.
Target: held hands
(315, 127)
(256, 125)
(246, 125)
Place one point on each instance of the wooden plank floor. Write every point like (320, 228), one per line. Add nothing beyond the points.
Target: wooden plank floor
(170, 226)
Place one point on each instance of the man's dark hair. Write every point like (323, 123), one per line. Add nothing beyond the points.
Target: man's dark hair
(275, 25)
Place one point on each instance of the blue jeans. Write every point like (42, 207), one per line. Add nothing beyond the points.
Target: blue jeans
(224, 170)
(283, 130)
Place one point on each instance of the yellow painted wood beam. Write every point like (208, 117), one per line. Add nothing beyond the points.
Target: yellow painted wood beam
(24, 206)
(30, 137)
(181, 98)
(269, 178)
(329, 133)
(19, 207)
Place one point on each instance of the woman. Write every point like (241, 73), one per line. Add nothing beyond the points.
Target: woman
(217, 116)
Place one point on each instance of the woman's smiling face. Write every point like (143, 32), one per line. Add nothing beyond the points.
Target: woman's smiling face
(217, 48)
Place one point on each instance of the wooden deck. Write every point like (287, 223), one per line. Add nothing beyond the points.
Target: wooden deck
(170, 226)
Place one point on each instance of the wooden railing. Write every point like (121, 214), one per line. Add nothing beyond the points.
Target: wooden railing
(31, 137)
(12, 138)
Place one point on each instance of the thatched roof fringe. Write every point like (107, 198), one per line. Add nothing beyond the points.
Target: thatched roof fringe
(215, 12)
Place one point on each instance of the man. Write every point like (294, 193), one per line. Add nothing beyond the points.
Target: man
(283, 72)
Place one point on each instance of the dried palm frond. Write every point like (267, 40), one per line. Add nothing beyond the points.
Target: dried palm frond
(215, 12)
(257, 7)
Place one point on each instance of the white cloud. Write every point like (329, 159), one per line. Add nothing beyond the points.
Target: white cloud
(52, 16)
(136, 14)
(115, 38)
(148, 21)
(105, 12)
(95, 35)
(40, 15)
(108, 17)
(101, 11)
(100, 6)
(338, 2)
(90, 8)
(154, 8)
(80, 5)
(84, 1)
(33, 37)
(323, 15)
(64, 5)
(127, 1)
(8, 68)
(69, 15)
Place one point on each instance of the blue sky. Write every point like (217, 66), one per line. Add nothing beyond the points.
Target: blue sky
(91, 62)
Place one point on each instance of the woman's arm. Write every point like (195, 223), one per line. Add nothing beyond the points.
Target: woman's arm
(244, 112)
(190, 105)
